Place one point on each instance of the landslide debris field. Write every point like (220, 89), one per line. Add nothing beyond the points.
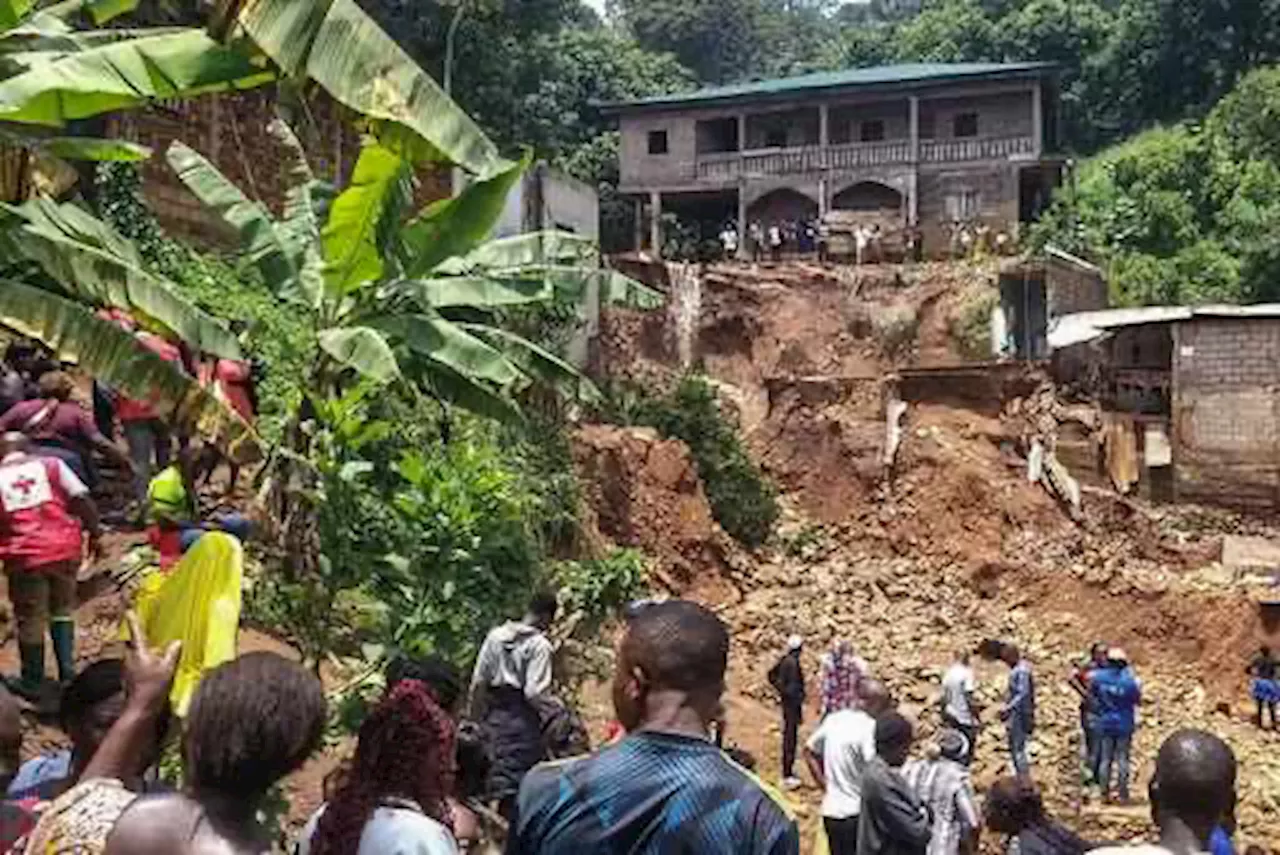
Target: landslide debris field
(949, 546)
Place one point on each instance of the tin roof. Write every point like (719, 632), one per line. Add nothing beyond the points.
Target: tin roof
(883, 75)
(1086, 326)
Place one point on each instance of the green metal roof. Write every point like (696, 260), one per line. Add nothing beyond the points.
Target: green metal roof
(883, 75)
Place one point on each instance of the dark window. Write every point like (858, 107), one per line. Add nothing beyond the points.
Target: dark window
(965, 125)
(872, 131)
(928, 126)
(775, 138)
(657, 142)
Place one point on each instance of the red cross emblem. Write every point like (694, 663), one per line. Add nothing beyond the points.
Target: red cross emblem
(25, 485)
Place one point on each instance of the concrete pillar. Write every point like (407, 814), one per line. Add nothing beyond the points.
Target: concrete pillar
(914, 122)
(638, 226)
(824, 125)
(1037, 118)
(744, 254)
(822, 197)
(655, 224)
(742, 132)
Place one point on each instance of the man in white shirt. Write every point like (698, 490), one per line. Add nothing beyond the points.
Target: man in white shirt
(837, 753)
(1192, 791)
(959, 710)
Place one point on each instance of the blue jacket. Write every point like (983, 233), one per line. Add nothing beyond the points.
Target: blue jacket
(1115, 693)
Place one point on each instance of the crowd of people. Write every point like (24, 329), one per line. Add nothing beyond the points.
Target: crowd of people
(878, 800)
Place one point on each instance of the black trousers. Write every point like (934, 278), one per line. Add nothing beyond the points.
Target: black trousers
(842, 835)
(790, 736)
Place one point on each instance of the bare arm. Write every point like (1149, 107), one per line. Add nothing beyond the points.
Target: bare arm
(148, 676)
(814, 762)
(84, 508)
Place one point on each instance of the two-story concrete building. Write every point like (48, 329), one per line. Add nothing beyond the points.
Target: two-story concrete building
(931, 147)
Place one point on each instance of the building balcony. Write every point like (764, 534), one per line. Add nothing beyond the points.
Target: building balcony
(730, 166)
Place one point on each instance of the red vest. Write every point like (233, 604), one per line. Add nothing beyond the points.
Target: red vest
(36, 528)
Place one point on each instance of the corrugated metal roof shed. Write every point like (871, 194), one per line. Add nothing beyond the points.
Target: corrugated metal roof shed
(879, 76)
(1086, 326)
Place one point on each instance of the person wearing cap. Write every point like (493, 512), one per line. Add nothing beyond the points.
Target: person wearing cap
(1115, 693)
(787, 678)
(943, 784)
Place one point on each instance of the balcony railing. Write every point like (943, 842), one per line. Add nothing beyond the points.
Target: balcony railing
(729, 166)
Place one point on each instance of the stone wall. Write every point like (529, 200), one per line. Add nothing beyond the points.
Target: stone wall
(1226, 405)
(231, 130)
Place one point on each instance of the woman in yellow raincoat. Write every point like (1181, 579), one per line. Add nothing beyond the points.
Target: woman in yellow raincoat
(197, 603)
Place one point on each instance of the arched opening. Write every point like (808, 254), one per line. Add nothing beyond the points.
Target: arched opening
(781, 206)
(868, 196)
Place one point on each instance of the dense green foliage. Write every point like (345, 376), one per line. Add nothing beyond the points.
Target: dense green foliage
(742, 498)
(276, 337)
(1187, 212)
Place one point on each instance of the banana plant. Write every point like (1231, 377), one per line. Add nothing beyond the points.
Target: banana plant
(418, 298)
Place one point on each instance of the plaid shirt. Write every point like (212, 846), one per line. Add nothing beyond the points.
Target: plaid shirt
(840, 676)
(945, 787)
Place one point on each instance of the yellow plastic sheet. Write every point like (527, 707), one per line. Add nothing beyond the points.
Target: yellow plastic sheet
(197, 603)
(821, 846)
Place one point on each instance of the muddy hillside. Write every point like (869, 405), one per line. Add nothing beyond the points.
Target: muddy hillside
(911, 526)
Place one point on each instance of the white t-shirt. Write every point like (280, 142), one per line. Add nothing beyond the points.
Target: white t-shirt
(392, 830)
(846, 740)
(957, 684)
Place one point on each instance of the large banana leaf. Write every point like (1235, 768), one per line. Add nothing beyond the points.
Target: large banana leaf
(92, 262)
(480, 291)
(351, 235)
(14, 12)
(362, 349)
(526, 250)
(266, 245)
(338, 46)
(100, 11)
(445, 342)
(90, 148)
(115, 357)
(122, 74)
(478, 398)
(302, 215)
(454, 227)
(538, 362)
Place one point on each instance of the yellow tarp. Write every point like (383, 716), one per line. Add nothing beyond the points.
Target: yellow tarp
(197, 603)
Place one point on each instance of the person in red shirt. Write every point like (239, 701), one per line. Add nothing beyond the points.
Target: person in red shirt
(62, 428)
(45, 511)
(146, 434)
(232, 381)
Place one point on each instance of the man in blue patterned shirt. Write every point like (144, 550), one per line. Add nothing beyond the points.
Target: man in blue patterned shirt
(1019, 711)
(665, 788)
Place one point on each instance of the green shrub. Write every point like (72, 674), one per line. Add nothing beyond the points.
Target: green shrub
(277, 337)
(598, 588)
(970, 325)
(742, 499)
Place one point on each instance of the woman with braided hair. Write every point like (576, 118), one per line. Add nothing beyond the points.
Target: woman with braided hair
(394, 797)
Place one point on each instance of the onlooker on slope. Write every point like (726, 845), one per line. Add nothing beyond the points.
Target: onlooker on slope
(60, 427)
(1115, 692)
(146, 434)
(1192, 792)
(1265, 688)
(1019, 712)
(513, 668)
(839, 673)
(1079, 682)
(894, 821)
(787, 679)
(959, 709)
(664, 787)
(942, 783)
(838, 753)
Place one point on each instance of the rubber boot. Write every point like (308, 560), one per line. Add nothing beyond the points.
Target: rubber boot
(31, 682)
(63, 633)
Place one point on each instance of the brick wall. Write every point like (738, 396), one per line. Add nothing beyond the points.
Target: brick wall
(1226, 405)
(231, 130)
